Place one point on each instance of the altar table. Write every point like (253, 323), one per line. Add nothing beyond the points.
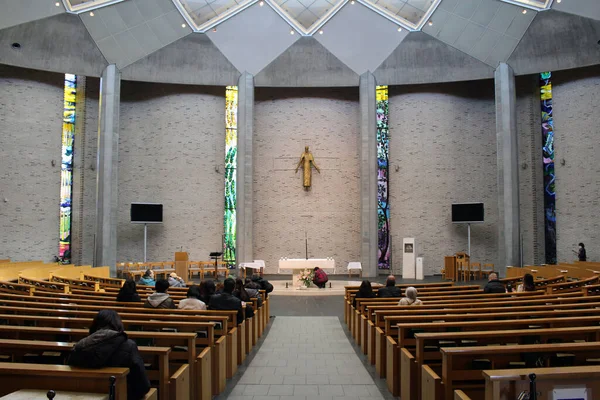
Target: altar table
(297, 265)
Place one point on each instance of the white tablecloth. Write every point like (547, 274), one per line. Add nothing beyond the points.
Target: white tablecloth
(291, 265)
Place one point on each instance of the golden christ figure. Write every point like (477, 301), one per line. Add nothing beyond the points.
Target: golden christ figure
(305, 160)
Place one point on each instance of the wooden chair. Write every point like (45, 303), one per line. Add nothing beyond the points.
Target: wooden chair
(488, 268)
(476, 270)
(464, 270)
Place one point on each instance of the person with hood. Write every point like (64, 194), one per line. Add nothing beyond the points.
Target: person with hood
(148, 278)
(176, 281)
(263, 283)
(320, 278)
(160, 298)
(128, 291)
(207, 290)
(192, 302)
(581, 253)
(108, 346)
(390, 289)
(253, 290)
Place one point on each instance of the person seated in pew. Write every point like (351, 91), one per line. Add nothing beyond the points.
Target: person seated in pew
(160, 298)
(128, 291)
(494, 285)
(192, 302)
(176, 281)
(207, 290)
(263, 283)
(148, 278)
(390, 289)
(227, 301)
(527, 285)
(365, 291)
(108, 346)
(411, 298)
(241, 293)
(320, 278)
(253, 290)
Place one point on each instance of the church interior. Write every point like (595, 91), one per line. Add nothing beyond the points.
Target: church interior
(343, 199)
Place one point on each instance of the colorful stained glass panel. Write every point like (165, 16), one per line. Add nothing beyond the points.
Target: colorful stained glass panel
(548, 160)
(229, 218)
(383, 156)
(66, 167)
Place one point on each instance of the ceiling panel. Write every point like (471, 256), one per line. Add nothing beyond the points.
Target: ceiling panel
(22, 11)
(146, 25)
(362, 50)
(410, 13)
(584, 8)
(490, 34)
(306, 15)
(204, 14)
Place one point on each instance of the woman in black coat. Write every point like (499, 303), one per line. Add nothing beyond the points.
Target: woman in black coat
(108, 346)
(128, 292)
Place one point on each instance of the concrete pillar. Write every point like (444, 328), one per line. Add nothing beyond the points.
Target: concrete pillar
(509, 244)
(245, 168)
(105, 247)
(368, 174)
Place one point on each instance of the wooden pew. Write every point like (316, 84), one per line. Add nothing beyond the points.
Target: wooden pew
(18, 348)
(16, 288)
(506, 384)
(173, 340)
(461, 366)
(76, 283)
(16, 376)
(45, 286)
(428, 346)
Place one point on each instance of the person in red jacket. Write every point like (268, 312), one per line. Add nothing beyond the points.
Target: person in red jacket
(320, 278)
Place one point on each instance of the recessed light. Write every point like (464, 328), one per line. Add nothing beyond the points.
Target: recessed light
(558, 1)
(321, 32)
(183, 25)
(57, 4)
(399, 29)
(524, 11)
(91, 14)
(352, 2)
(262, 3)
(215, 29)
(292, 32)
(430, 23)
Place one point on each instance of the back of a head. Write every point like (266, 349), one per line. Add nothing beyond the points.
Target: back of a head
(493, 276)
(390, 281)
(107, 319)
(411, 293)
(148, 273)
(129, 286)
(161, 285)
(316, 269)
(365, 288)
(193, 292)
(228, 285)
(239, 284)
(528, 281)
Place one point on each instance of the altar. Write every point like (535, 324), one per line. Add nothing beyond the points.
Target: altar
(295, 265)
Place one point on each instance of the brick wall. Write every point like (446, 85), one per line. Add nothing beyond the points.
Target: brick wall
(576, 103)
(286, 120)
(31, 105)
(443, 143)
(172, 140)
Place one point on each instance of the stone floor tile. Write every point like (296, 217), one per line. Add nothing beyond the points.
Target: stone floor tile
(281, 390)
(357, 390)
(271, 379)
(317, 379)
(331, 390)
(294, 379)
(306, 390)
(256, 390)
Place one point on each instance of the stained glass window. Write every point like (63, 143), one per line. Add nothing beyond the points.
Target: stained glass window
(548, 159)
(66, 168)
(229, 220)
(383, 156)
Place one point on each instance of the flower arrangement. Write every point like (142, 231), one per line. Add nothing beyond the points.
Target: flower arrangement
(306, 277)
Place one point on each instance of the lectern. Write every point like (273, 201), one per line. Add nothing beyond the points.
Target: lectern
(181, 263)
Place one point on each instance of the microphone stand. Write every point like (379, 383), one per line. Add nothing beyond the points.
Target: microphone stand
(306, 244)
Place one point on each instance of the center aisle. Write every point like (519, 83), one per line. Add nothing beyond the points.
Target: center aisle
(306, 358)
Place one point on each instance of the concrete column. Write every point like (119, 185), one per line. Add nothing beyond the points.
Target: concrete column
(509, 244)
(245, 168)
(368, 174)
(105, 247)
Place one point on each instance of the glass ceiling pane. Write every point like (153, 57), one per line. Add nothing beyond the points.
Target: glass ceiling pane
(82, 5)
(538, 4)
(306, 13)
(410, 12)
(202, 12)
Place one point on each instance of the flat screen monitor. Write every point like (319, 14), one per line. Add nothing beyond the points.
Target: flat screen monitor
(467, 213)
(146, 213)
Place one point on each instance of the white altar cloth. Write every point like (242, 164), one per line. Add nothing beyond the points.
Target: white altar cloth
(292, 265)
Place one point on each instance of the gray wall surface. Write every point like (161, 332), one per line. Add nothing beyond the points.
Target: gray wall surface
(31, 105)
(172, 142)
(577, 142)
(443, 142)
(286, 120)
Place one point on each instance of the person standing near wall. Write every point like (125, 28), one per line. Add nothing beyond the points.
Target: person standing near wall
(581, 253)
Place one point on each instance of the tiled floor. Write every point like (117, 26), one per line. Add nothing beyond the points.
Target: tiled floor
(304, 358)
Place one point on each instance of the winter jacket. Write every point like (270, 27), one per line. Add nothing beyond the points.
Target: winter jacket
(389, 291)
(581, 254)
(107, 348)
(159, 300)
(226, 301)
(494, 286)
(147, 281)
(128, 296)
(173, 282)
(191, 303)
(405, 301)
(320, 277)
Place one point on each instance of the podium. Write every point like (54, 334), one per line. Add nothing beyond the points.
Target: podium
(408, 258)
(181, 263)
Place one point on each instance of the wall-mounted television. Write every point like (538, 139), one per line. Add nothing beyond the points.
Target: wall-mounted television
(467, 213)
(146, 213)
